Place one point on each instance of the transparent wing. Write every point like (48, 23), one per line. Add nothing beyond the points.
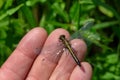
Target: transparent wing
(84, 32)
(89, 36)
(79, 34)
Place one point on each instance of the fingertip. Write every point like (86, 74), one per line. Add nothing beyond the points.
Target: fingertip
(24, 55)
(87, 67)
(78, 42)
(82, 73)
(53, 45)
(33, 41)
(80, 47)
(38, 29)
(36, 32)
(60, 31)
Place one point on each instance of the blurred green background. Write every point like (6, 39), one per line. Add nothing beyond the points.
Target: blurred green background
(17, 17)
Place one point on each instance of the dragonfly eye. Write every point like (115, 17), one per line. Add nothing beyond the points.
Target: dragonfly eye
(61, 37)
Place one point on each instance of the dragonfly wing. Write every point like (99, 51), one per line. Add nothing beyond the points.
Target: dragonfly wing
(87, 25)
(79, 33)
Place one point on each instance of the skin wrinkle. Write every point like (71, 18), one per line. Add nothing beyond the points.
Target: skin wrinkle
(5, 70)
(23, 53)
(15, 60)
(32, 77)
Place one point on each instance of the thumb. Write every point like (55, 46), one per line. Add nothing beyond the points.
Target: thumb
(82, 73)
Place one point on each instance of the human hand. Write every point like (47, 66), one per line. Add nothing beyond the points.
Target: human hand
(38, 57)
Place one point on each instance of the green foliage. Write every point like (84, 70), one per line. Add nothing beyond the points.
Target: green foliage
(17, 17)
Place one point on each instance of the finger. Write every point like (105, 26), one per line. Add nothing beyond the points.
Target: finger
(49, 57)
(67, 63)
(18, 64)
(83, 73)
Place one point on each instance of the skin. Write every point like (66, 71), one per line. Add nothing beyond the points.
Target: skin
(40, 57)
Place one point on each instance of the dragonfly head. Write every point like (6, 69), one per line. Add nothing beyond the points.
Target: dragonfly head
(62, 37)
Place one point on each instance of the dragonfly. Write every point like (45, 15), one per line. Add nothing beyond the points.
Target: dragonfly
(78, 34)
(68, 46)
(85, 34)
